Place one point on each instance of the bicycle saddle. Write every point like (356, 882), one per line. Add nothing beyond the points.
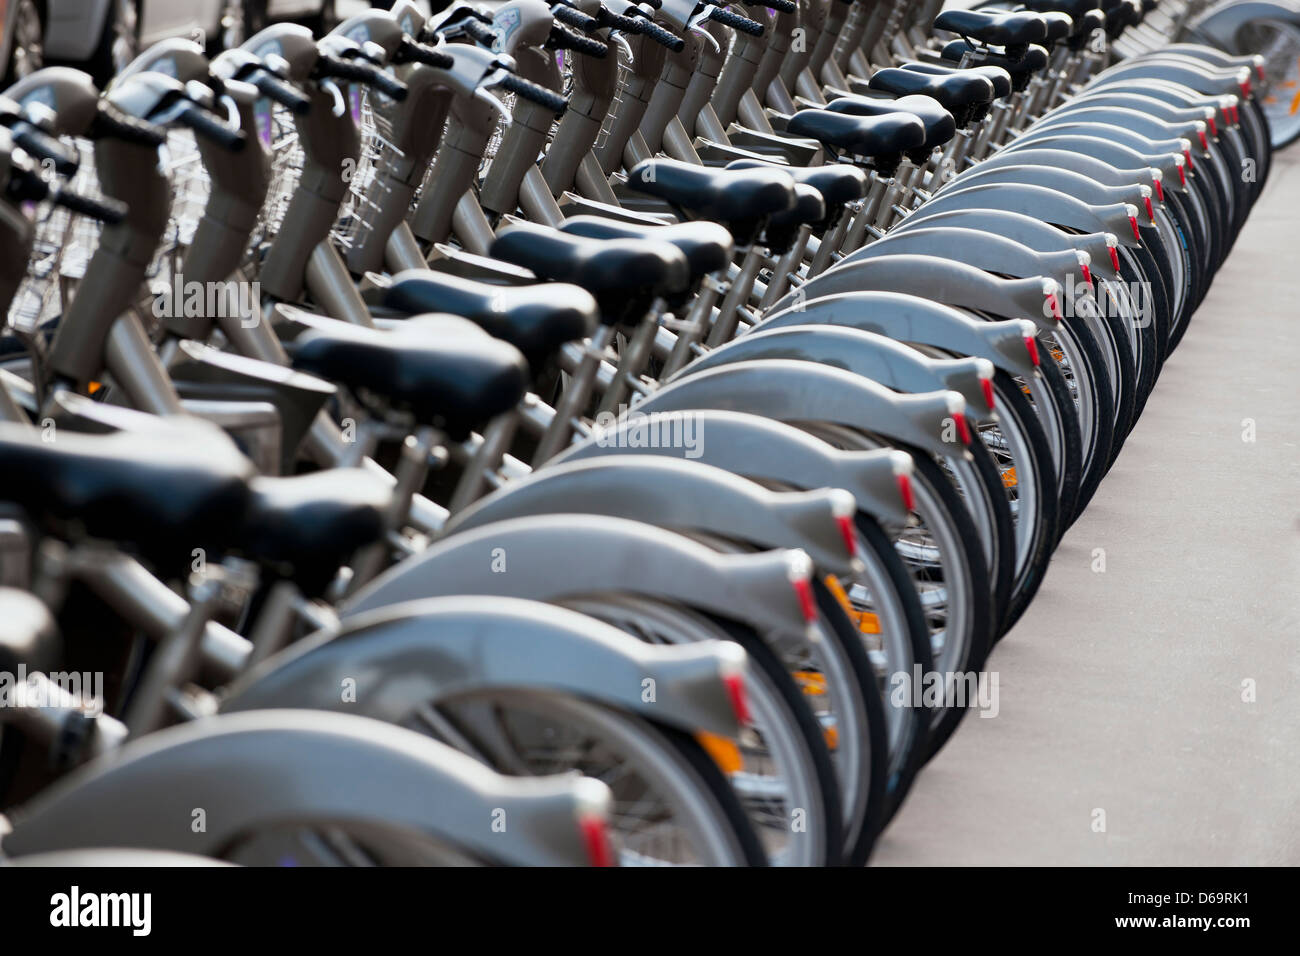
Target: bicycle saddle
(1020, 71)
(837, 183)
(887, 134)
(1074, 9)
(29, 636)
(707, 246)
(781, 229)
(938, 122)
(176, 487)
(456, 383)
(536, 319)
(995, 74)
(623, 274)
(960, 94)
(995, 29)
(740, 199)
(306, 527)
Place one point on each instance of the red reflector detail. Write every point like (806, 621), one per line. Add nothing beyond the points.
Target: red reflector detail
(1259, 68)
(735, 685)
(1160, 190)
(1214, 125)
(905, 490)
(1205, 140)
(596, 839)
(1054, 306)
(986, 384)
(1031, 344)
(1182, 175)
(850, 538)
(963, 429)
(1245, 88)
(1151, 213)
(1137, 233)
(1233, 115)
(803, 588)
(1087, 274)
(1114, 259)
(1187, 155)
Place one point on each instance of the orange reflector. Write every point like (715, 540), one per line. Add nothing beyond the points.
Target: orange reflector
(864, 621)
(812, 683)
(1009, 479)
(93, 387)
(1295, 105)
(722, 751)
(832, 737)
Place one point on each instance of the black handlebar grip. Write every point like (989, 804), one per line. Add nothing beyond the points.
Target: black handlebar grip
(540, 95)
(480, 32)
(574, 18)
(780, 6)
(617, 21)
(42, 146)
(737, 22)
(108, 211)
(110, 125)
(364, 73)
(562, 38)
(647, 27)
(210, 128)
(278, 91)
(412, 52)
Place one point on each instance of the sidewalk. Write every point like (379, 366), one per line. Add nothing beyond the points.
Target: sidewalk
(1122, 691)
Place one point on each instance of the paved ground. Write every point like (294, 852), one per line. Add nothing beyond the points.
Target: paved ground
(1123, 691)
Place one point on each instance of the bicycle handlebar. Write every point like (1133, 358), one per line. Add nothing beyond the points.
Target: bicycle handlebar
(780, 6)
(574, 18)
(353, 72)
(540, 95)
(644, 26)
(412, 52)
(479, 32)
(42, 146)
(278, 91)
(108, 211)
(206, 125)
(562, 38)
(737, 22)
(109, 125)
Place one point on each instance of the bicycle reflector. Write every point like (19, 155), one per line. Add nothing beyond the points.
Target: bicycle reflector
(1051, 297)
(1146, 198)
(1158, 180)
(1111, 244)
(593, 811)
(1200, 134)
(1031, 343)
(1187, 153)
(843, 507)
(986, 372)
(1133, 221)
(1211, 121)
(957, 410)
(902, 464)
(733, 681)
(1085, 266)
(799, 572)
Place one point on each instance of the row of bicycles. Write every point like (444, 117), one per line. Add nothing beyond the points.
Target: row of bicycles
(576, 433)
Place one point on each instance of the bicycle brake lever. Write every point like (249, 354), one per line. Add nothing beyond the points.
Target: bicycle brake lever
(232, 109)
(695, 27)
(624, 46)
(482, 94)
(340, 104)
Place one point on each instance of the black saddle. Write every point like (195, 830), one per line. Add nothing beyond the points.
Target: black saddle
(888, 135)
(938, 122)
(838, 183)
(782, 229)
(306, 527)
(28, 634)
(707, 246)
(536, 319)
(625, 275)
(997, 75)
(961, 94)
(740, 199)
(1020, 71)
(456, 383)
(166, 491)
(996, 29)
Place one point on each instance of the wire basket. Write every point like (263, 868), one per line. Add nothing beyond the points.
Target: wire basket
(368, 188)
(280, 139)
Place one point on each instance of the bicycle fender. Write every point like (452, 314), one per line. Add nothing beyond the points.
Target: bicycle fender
(808, 392)
(1089, 142)
(281, 766)
(949, 283)
(678, 496)
(893, 364)
(1061, 180)
(407, 656)
(917, 321)
(764, 450)
(517, 558)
